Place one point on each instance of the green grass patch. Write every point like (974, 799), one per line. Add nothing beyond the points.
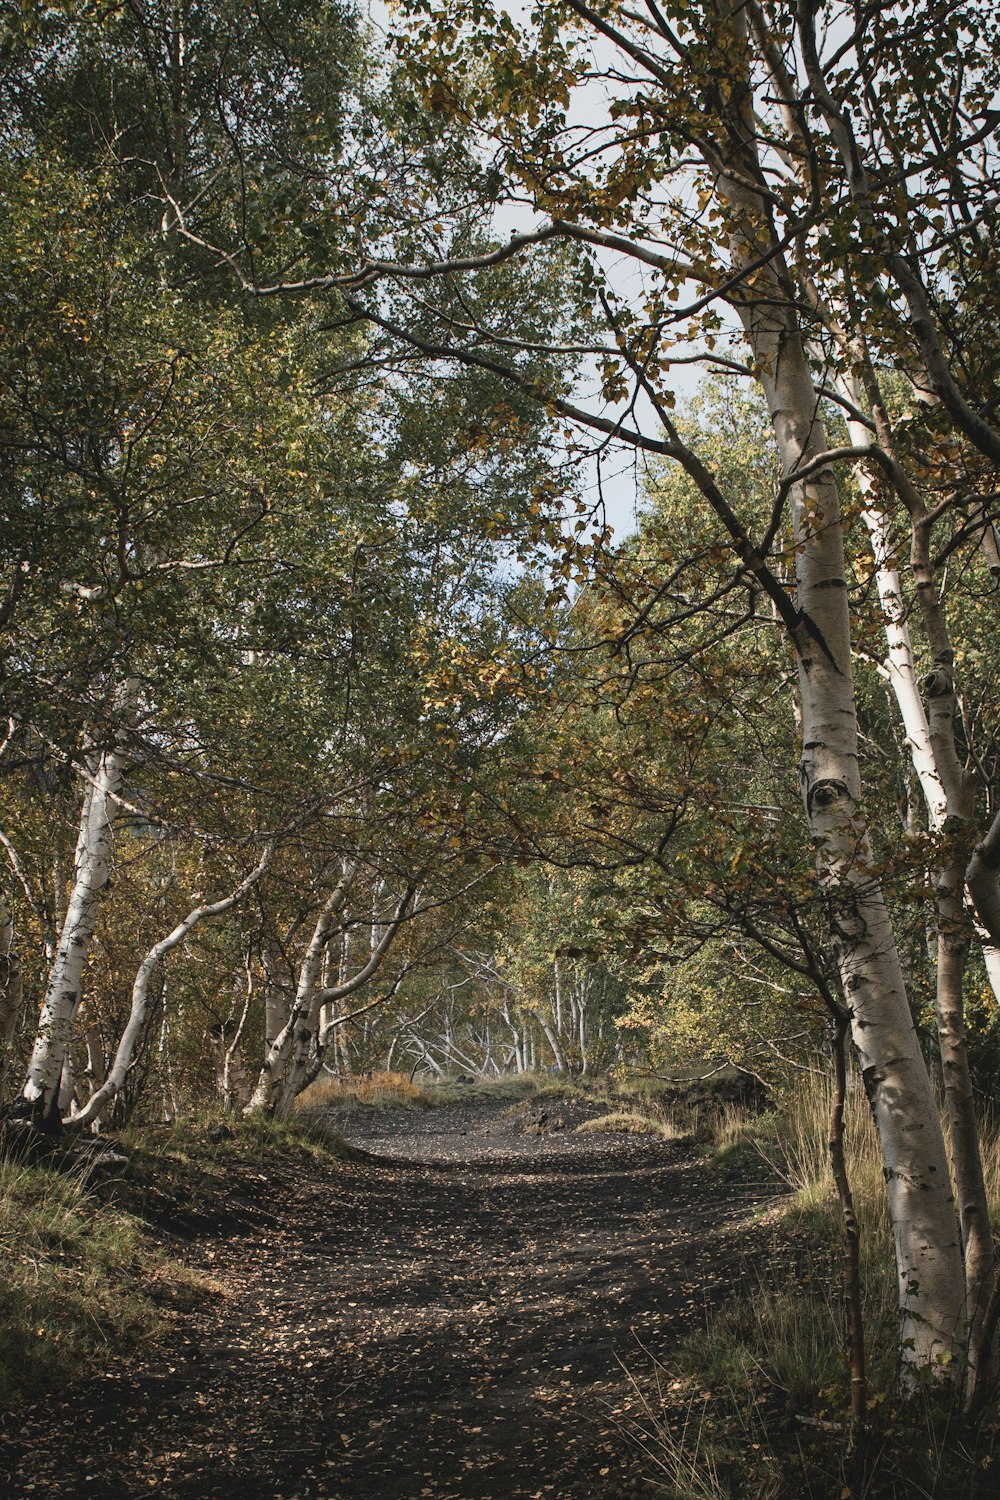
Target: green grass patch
(76, 1277)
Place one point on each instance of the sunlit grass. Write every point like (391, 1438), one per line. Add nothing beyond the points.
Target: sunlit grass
(75, 1276)
(630, 1122)
(383, 1090)
(756, 1404)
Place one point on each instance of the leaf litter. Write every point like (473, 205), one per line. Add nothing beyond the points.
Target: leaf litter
(450, 1314)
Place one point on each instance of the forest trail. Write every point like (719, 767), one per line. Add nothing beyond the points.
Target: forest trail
(450, 1316)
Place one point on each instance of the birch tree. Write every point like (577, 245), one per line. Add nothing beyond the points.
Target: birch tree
(284, 1074)
(102, 1096)
(103, 780)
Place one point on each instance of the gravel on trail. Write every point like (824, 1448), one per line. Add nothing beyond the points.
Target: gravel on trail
(467, 1309)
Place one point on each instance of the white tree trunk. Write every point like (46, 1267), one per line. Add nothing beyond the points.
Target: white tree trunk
(297, 1032)
(989, 542)
(920, 1197)
(233, 1072)
(101, 1099)
(925, 1229)
(91, 871)
(287, 1062)
(947, 792)
(557, 1052)
(168, 1093)
(583, 1028)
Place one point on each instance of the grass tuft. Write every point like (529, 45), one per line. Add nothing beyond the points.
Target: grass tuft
(631, 1122)
(76, 1276)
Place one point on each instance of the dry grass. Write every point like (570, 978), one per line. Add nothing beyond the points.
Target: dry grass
(631, 1122)
(386, 1090)
(778, 1352)
(991, 1166)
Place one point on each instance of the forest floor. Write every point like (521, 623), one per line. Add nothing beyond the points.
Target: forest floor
(467, 1308)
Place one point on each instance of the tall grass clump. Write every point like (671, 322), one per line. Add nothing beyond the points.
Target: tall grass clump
(74, 1276)
(629, 1122)
(757, 1405)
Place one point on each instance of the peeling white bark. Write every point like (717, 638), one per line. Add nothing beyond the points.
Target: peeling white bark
(948, 797)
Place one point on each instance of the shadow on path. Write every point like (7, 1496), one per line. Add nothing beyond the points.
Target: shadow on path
(452, 1317)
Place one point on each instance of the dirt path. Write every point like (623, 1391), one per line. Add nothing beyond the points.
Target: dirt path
(447, 1319)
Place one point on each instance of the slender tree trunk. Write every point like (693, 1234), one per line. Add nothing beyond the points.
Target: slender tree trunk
(233, 1069)
(947, 791)
(168, 1092)
(519, 1063)
(11, 994)
(292, 1042)
(852, 1233)
(558, 1054)
(989, 541)
(921, 1205)
(557, 1006)
(286, 1066)
(92, 869)
(100, 1101)
(582, 1006)
(276, 1007)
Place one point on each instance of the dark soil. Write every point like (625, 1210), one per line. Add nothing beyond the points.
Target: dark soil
(454, 1313)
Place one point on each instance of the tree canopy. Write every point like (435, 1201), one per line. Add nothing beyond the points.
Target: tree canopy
(321, 664)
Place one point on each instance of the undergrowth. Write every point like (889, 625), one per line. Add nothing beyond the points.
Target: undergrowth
(75, 1276)
(391, 1090)
(755, 1406)
(86, 1261)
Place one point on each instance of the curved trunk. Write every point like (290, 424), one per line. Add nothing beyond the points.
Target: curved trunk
(553, 1041)
(286, 1066)
(101, 1099)
(289, 1049)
